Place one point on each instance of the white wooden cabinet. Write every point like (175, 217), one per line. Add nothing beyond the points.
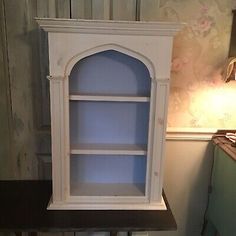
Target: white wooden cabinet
(109, 85)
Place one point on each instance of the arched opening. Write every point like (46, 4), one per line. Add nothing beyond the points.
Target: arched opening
(112, 111)
(109, 47)
(107, 72)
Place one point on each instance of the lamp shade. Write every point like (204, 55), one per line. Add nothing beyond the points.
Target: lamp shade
(229, 70)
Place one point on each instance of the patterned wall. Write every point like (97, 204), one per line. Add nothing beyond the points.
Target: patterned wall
(199, 98)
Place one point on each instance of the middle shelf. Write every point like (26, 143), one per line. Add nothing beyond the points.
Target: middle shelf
(109, 149)
(108, 98)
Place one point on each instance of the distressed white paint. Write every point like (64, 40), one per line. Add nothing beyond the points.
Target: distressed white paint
(151, 43)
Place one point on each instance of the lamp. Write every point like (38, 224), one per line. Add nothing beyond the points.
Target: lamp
(229, 71)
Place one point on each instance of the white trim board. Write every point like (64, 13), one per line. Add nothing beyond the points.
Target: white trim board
(194, 134)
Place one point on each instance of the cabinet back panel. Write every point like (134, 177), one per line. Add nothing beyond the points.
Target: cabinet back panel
(107, 169)
(109, 122)
(110, 72)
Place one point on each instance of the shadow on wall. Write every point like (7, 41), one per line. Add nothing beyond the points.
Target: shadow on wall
(186, 180)
(198, 194)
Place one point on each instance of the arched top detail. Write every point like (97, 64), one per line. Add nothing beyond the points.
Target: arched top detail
(76, 58)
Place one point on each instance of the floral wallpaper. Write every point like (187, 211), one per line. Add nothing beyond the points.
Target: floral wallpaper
(198, 97)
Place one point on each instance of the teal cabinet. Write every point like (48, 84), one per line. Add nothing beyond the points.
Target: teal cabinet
(221, 212)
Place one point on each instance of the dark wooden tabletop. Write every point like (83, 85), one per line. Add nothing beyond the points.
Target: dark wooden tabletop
(23, 208)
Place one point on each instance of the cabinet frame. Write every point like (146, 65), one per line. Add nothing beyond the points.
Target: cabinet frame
(149, 42)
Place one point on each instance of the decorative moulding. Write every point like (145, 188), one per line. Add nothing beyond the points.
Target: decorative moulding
(194, 134)
(101, 26)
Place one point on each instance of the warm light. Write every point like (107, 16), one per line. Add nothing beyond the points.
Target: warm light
(218, 100)
(214, 105)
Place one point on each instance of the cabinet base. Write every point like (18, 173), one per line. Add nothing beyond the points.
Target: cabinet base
(106, 206)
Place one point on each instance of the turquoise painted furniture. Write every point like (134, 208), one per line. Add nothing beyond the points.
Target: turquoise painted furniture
(221, 211)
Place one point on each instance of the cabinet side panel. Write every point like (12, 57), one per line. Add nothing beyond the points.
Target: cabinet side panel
(57, 134)
(66, 139)
(162, 90)
(150, 137)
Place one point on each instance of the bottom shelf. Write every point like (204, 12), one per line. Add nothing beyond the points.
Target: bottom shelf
(106, 206)
(107, 189)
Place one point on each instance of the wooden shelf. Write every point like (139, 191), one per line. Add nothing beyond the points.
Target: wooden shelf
(109, 98)
(109, 149)
(107, 189)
